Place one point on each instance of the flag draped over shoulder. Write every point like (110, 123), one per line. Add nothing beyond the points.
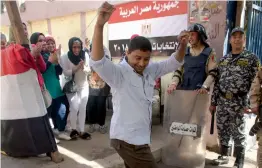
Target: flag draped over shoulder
(25, 129)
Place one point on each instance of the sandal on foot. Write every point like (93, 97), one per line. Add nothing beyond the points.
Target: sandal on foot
(74, 134)
(85, 136)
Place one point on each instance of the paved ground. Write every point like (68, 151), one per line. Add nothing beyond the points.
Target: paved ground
(250, 161)
(97, 153)
(78, 154)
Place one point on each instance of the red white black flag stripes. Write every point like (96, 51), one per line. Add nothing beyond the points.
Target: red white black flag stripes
(25, 128)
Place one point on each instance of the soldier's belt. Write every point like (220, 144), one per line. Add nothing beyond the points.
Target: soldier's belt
(230, 95)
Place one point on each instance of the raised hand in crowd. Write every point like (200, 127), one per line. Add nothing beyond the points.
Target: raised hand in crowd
(183, 41)
(79, 66)
(55, 57)
(183, 37)
(58, 51)
(104, 13)
(36, 49)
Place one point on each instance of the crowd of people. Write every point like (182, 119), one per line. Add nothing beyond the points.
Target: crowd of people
(59, 69)
(89, 75)
(67, 82)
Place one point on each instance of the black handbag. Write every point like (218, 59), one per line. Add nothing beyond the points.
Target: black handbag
(70, 86)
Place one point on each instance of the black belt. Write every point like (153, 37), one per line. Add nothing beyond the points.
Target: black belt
(230, 95)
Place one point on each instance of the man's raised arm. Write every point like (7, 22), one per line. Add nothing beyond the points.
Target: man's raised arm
(175, 61)
(104, 14)
(106, 69)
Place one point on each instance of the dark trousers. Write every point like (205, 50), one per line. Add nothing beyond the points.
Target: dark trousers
(58, 112)
(96, 110)
(134, 156)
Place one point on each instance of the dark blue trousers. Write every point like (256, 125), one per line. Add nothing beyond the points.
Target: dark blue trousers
(58, 112)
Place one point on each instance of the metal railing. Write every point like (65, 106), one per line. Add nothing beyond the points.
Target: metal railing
(254, 29)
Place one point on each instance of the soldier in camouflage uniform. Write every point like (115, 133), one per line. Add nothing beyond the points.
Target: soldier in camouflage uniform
(256, 107)
(236, 71)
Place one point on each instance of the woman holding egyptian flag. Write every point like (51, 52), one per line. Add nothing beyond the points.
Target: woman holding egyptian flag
(25, 128)
(59, 109)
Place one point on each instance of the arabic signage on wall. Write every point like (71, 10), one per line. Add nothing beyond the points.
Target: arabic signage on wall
(212, 14)
(160, 21)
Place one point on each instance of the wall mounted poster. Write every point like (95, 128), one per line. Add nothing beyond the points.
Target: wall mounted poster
(160, 21)
(211, 14)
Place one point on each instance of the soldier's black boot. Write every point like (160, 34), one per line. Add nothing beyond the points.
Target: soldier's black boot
(223, 158)
(240, 157)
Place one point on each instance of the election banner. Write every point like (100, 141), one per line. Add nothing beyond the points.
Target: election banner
(159, 21)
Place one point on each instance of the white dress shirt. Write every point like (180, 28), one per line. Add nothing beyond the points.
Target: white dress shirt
(132, 96)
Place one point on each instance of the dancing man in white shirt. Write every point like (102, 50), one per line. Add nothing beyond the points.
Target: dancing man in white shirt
(132, 83)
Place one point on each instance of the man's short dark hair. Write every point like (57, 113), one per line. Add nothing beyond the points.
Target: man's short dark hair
(139, 43)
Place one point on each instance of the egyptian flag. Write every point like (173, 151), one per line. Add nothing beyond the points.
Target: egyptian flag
(159, 21)
(25, 129)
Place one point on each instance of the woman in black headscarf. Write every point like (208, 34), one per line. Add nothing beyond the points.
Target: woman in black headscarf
(75, 66)
(38, 40)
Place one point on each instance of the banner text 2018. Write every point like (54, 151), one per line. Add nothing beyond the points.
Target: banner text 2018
(161, 46)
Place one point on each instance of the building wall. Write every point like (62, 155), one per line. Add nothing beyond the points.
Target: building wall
(40, 10)
(5, 31)
(215, 24)
(64, 28)
(90, 25)
(76, 25)
(38, 26)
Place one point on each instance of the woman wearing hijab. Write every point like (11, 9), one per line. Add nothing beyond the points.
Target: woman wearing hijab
(37, 39)
(25, 128)
(59, 108)
(75, 67)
